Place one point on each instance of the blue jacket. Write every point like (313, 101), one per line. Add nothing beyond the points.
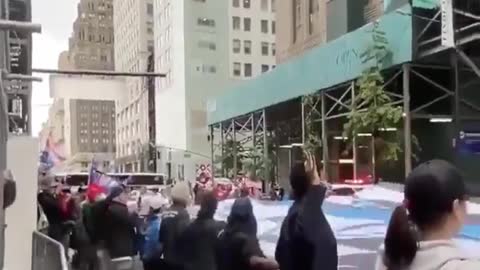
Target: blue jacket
(151, 246)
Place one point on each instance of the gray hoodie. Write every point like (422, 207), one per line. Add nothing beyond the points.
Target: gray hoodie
(437, 255)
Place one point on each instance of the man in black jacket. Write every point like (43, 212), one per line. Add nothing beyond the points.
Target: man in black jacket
(120, 225)
(174, 222)
(199, 238)
(306, 240)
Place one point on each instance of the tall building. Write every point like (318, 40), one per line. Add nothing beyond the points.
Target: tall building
(192, 46)
(91, 43)
(133, 28)
(252, 29)
(303, 26)
(81, 122)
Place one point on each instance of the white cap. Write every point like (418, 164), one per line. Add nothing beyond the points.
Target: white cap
(157, 202)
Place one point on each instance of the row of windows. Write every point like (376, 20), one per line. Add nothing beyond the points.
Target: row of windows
(206, 22)
(247, 4)
(209, 45)
(247, 25)
(247, 47)
(95, 131)
(247, 69)
(94, 141)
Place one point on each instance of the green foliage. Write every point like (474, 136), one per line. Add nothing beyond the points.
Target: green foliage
(373, 109)
(255, 164)
(312, 134)
(230, 147)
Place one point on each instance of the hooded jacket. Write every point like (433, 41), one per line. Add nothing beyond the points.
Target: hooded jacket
(238, 242)
(437, 255)
(306, 239)
(174, 222)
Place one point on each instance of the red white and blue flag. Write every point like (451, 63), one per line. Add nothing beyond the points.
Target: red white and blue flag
(98, 180)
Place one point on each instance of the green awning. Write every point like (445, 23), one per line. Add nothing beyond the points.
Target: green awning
(320, 68)
(427, 4)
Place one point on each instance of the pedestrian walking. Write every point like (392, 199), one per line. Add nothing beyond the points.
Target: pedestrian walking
(306, 238)
(152, 249)
(421, 230)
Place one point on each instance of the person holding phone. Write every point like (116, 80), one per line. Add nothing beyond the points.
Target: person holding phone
(306, 239)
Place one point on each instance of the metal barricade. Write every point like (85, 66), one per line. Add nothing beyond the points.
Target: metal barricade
(47, 253)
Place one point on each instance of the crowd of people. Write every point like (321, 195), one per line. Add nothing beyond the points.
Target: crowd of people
(165, 236)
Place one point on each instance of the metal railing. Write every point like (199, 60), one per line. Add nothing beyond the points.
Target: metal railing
(47, 253)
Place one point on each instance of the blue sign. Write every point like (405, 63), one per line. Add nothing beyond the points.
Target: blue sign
(469, 143)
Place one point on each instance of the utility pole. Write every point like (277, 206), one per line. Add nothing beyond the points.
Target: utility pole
(24, 27)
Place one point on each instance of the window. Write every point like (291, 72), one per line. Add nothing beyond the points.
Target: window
(296, 18)
(209, 45)
(236, 3)
(274, 26)
(247, 23)
(264, 5)
(264, 26)
(273, 5)
(236, 45)
(264, 48)
(237, 69)
(150, 9)
(236, 23)
(247, 46)
(246, 3)
(248, 70)
(206, 22)
(274, 49)
(311, 14)
(265, 68)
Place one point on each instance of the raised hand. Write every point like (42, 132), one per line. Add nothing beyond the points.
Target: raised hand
(311, 168)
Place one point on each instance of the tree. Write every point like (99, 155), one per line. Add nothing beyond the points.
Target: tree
(312, 133)
(373, 109)
(227, 159)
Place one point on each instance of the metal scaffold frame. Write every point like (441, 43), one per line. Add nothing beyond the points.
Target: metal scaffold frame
(249, 131)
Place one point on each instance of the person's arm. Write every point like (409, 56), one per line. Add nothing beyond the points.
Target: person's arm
(122, 216)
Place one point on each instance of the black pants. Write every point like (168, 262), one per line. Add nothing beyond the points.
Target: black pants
(154, 264)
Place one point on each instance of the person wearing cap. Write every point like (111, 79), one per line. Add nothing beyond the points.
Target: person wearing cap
(174, 221)
(421, 230)
(200, 236)
(151, 251)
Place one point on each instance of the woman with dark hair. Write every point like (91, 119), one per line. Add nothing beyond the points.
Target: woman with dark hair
(421, 231)
(306, 239)
(238, 247)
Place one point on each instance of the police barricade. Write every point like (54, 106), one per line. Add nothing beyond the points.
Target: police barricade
(47, 253)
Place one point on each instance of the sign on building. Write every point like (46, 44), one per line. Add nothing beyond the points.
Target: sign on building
(448, 37)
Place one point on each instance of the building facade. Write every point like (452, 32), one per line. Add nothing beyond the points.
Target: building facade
(252, 29)
(92, 41)
(305, 24)
(133, 33)
(192, 48)
(81, 122)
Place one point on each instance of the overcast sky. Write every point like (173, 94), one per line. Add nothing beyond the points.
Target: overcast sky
(56, 17)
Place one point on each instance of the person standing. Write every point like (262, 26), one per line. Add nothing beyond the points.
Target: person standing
(174, 222)
(120, 228)
(238, 247)
(421, 230)
(306, 239)
(200, 236)
(152, 249)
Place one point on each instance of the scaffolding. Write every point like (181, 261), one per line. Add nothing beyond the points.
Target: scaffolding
(435, 85)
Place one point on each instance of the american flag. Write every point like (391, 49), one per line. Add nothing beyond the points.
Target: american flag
(101, 181)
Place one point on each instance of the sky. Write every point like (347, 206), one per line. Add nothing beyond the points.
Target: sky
(56, 18)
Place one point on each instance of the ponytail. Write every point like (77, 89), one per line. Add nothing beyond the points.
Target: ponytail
(401, 242)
